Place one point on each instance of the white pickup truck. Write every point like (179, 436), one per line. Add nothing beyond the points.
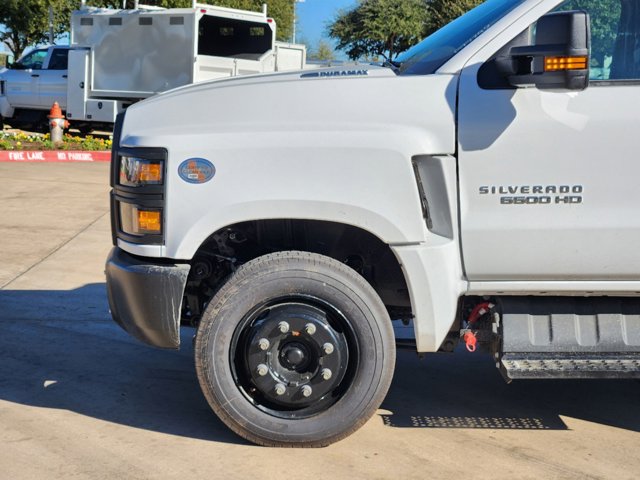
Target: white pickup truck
(118, 57)
(30, 86)
(483, 189)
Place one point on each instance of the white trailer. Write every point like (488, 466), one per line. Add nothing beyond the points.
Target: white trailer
(118, 57)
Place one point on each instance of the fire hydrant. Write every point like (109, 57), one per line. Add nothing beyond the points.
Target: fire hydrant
(57, 123)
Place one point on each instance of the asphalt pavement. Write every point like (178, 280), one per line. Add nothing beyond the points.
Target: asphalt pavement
(81, 399)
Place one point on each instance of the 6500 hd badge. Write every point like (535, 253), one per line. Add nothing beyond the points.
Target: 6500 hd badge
(535, 194)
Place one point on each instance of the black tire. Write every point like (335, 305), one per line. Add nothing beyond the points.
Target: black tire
(301, 288)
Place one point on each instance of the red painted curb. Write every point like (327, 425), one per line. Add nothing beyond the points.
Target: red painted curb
(54, 156)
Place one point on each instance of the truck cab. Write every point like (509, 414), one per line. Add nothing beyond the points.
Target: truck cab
(33, 83)
(479, 191)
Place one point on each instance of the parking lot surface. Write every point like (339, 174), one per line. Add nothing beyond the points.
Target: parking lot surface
(80, 399)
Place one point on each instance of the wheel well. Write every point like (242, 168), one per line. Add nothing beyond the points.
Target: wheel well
(236, 244)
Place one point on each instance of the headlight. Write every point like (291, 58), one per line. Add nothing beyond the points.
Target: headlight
(138, 178)
(137, 172)
(137, 220)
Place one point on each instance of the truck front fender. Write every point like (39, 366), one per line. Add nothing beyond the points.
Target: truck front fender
(373, 186)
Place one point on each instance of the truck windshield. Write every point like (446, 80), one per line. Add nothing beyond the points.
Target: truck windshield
(434, 51)
(33, 60)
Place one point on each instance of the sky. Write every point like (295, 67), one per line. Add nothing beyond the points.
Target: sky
(315, 15)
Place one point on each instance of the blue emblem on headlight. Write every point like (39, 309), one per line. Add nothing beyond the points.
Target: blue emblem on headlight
(196, 170)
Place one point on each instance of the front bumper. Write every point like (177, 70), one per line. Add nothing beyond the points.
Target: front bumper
(145, 298)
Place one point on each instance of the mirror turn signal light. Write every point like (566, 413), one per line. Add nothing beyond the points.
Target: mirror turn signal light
(556, 64)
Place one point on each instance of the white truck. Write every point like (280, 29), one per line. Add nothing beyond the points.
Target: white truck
(118, 57)
(29, 86)
(483, 188)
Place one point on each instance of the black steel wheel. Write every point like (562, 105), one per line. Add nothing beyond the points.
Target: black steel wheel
(296, 349)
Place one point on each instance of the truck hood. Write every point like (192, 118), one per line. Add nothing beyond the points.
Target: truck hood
(355, 70)
(350, 98)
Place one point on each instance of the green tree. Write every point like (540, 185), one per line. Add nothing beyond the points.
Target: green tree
(442, 12)
(323, 52)
(26, 22)
(380, 27)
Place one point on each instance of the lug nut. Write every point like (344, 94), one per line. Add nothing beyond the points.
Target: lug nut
(310, 328)
(283, 327)
(262, 369)
(327, 348)
(326, 374)
(280, 389)
(264, 344)
(306, 390)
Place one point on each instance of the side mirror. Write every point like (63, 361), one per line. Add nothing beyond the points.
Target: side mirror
(558, 59)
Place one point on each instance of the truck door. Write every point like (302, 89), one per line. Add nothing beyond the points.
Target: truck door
(53, 79)
(22, 80)
(549, 179)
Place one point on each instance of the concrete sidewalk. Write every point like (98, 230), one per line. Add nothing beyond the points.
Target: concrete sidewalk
(44, 207)
(79, 398)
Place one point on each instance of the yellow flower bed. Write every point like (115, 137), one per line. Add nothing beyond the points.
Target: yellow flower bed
(22, 141)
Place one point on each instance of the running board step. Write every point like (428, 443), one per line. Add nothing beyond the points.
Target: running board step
(522, 366)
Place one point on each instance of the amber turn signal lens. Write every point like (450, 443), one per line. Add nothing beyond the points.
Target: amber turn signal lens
(149, 221)
(556, 64)
(138, 172)
(136, 220)
(151, 173)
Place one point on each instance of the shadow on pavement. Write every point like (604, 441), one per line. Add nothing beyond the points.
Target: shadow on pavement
(464, 390)
(60, 349)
